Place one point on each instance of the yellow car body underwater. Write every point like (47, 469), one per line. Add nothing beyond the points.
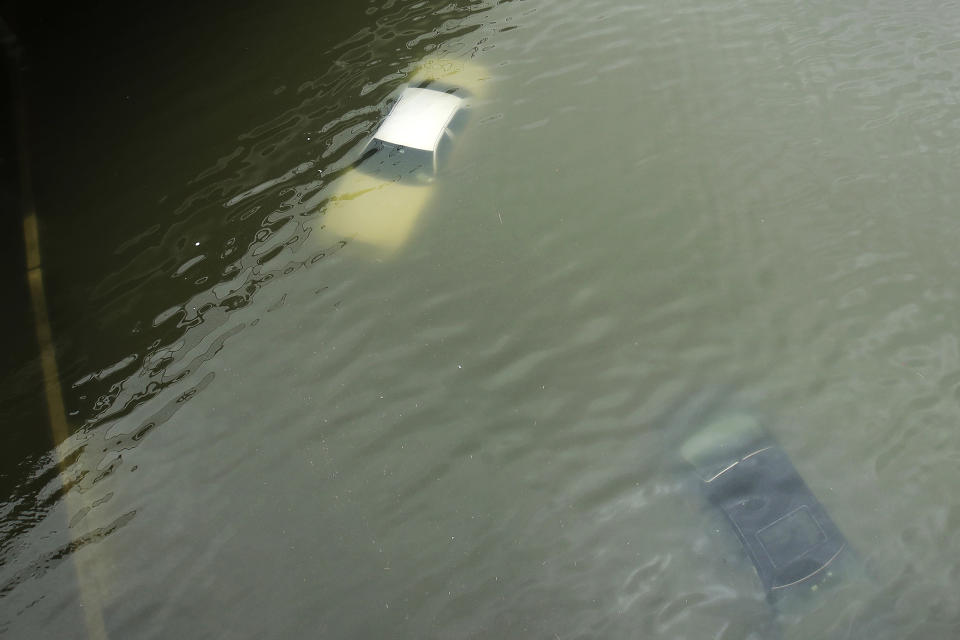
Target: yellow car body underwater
(378, 202)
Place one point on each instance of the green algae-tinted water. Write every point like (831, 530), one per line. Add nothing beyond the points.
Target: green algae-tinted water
(277, 433)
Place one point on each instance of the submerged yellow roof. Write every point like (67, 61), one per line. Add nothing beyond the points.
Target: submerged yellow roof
(374, 211)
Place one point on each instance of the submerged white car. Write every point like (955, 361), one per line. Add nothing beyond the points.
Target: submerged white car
(380, 199)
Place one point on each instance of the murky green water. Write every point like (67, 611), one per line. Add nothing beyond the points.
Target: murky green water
(280, 435)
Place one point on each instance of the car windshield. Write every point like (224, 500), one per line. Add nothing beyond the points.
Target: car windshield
(397, 164)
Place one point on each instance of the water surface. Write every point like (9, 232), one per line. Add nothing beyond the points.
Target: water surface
(278, 433)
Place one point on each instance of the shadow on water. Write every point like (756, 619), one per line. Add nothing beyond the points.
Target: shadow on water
(220, 237)
(173, 151)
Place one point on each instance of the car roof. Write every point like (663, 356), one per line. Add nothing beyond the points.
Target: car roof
(419, 119)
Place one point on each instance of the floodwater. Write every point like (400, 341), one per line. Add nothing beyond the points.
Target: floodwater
(280, 433)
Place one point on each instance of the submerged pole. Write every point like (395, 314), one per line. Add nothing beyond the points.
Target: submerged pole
(89, 590)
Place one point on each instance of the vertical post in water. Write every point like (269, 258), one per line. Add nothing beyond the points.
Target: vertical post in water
(89, 591)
